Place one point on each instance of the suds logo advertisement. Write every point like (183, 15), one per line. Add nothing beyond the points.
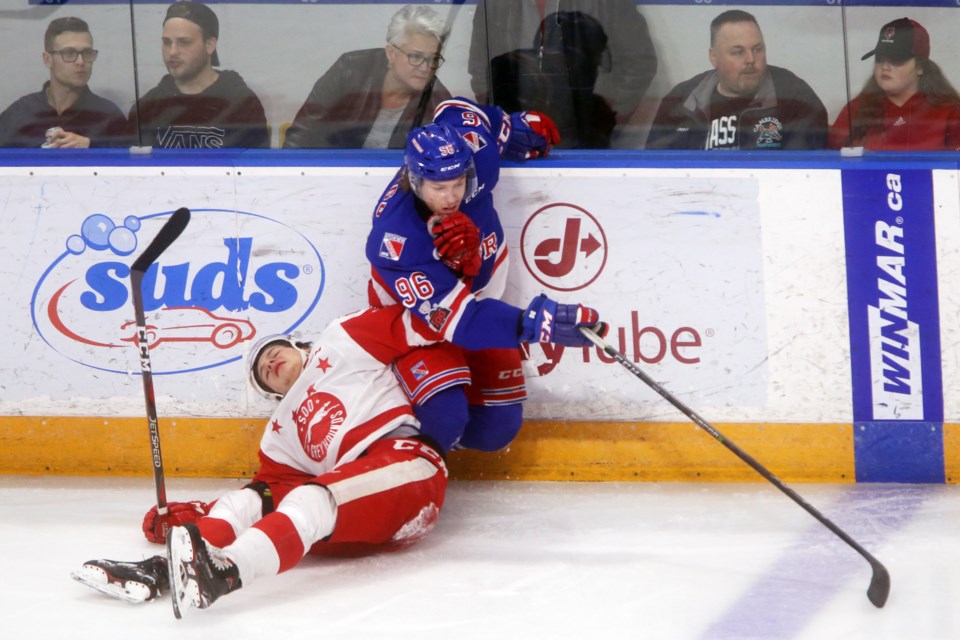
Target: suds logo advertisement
(231, 275)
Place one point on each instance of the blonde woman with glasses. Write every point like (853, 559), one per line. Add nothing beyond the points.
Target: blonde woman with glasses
(371, 98)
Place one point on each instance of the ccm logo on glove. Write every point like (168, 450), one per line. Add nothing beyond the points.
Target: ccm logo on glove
(545, 320)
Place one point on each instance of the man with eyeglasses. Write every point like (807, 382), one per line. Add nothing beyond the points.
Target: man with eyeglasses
(196, 106)
(371, 98)
(65, 113)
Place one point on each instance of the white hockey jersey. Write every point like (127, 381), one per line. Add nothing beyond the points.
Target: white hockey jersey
(347, 396)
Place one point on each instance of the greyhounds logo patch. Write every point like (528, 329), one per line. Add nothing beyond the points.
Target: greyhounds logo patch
(768, 132)
(392, 246)
(318, 418)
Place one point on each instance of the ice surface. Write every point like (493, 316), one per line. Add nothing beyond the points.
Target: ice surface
(522, 560)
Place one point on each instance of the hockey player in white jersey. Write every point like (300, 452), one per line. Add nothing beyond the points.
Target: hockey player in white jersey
(344, 467)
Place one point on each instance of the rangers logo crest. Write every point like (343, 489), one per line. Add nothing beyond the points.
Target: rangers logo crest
(474, 141)
(392, 246)
(419, 371)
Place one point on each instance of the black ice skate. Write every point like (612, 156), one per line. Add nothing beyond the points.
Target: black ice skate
(199, 573)
(128, 581)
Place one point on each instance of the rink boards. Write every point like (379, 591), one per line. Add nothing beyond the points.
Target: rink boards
(805, 308)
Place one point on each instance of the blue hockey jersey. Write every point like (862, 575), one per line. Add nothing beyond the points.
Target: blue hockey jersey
(404, 264)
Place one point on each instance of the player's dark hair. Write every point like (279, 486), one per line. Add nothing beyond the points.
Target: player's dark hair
(62, 25)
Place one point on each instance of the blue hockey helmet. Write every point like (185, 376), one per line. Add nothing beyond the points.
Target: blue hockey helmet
(437, 152)
(259, 347)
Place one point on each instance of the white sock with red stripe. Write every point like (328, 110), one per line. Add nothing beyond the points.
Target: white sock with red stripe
(278, 542)
(232, 514)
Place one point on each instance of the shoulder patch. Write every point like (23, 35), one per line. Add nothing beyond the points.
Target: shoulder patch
(435, 315)
(391, 246)
(474, 140)
(420, 370)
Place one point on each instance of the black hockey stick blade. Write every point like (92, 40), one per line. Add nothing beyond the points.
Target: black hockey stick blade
(169, 232)
(879, 587)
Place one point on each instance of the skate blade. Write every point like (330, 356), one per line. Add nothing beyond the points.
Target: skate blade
(184, 590)
(96, 578)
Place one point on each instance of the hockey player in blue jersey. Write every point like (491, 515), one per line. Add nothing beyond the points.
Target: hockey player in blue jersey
(437, 247)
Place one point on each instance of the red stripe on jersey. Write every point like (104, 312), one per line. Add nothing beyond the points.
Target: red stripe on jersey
(430, 386)
(373, 297)
(361, 432)
(379, 332)
(277, 473)
(493, 397)
(285, 538)
(460, 104)
(379, 292)
(422, 329)
(456, 312)
(501, 258)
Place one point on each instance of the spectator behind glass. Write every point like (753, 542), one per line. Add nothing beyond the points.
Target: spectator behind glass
(742, 103)
(196, 106)
(907, 103)
(371, 98)
(627, 67)
(65, 113)
(558, 77)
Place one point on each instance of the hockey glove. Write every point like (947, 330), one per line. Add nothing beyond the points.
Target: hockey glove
(457, 240)
(532, 135)
(545, 320)
(155, 526)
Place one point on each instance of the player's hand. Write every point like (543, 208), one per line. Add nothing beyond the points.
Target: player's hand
(542, 125)
(457, 240)
(545, 320)
(156, 526)
(532, 135)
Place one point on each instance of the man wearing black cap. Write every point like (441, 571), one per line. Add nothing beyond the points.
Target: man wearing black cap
(907, 103)
(196, 106)
(742, 103)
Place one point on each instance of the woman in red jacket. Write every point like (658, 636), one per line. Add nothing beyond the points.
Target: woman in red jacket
(907, 104)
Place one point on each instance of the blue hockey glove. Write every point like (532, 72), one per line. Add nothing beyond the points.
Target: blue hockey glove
(545, 320)
(531, 136)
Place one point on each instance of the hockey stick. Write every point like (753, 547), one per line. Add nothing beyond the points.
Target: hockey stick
(879, 587)
(169, 232)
